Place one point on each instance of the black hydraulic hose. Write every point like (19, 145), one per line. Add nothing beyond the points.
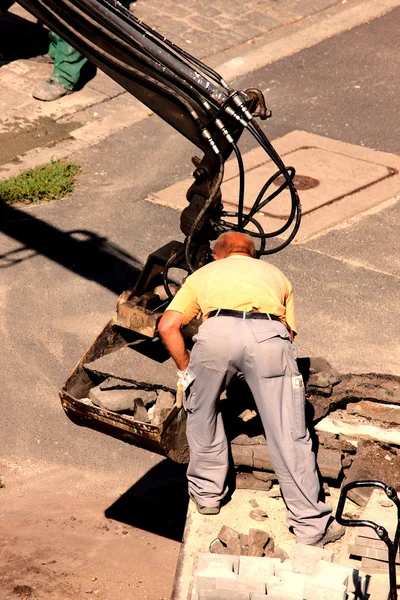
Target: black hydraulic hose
(200, 216)
(252, 220)
(142, 55)
(241, 185)
(181, 69)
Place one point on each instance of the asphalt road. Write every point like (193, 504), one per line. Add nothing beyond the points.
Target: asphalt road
(64, 264)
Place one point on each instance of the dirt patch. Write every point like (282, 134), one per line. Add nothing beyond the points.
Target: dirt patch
(58, 545)
(22, 137)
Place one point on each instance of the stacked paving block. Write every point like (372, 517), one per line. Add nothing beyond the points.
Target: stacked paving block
(367, 546)
(310, 575)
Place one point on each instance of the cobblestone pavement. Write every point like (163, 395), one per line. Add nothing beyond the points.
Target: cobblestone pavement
(216, 31)
(211, 26)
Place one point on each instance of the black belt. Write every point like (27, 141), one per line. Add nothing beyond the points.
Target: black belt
(240, 314)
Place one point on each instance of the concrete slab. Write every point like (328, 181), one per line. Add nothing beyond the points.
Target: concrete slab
(351, 180)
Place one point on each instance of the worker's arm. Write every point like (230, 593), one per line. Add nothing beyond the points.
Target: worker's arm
(169, 329)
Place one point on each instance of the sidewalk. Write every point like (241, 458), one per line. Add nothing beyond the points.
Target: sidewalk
(235, 37)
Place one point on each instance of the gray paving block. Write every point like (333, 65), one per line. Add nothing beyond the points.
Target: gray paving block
(280, 589)
(319, 589)
(145, 363)
(274, 597)
(339, 573)
(305, 558)
(256, 568)
(240, 585)
(206, 561)
(287, 565)
(222, 595)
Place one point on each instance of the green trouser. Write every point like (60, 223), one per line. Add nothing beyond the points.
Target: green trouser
(68, 62)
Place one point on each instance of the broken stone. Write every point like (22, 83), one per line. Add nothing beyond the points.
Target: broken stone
(217, 547)
(140, 413)
(264, 475)
(162, 408)
(245, 440)
(385, 413)
(346, 461)
(244, 544)
(227, 534)
(329, 463)
(115, 400)
(258, 514)
(247, 481)
(333, 441)
(373, 461)
(258, 539)
(247, 415)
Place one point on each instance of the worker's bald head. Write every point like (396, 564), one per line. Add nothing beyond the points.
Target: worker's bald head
(233, 242)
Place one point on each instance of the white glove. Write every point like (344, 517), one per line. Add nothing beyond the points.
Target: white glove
(180, 378)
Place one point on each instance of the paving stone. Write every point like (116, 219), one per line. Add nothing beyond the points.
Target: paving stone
(222, 595)
(318, 589)
(275, 597)
(240, 585)
(366, 552)
(305, 558)
(285, 590)
(340, 573)
(206, 560)
(258, 539)
(259, 569)
(292, 579)
(287, 565)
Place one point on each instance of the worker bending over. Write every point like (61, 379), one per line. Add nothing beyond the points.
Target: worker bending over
(248, 332)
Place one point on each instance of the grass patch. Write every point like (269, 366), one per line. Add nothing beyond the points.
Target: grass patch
(41, 184)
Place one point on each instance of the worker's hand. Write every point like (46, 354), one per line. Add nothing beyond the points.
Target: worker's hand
(180, 378)
(179, 389)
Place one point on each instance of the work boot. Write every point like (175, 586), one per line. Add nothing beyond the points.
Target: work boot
(50, 90)
(333, 532)
(206, 510)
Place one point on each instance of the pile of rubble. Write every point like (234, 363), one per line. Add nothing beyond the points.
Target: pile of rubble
(354, 422)
(256, 542)
(136, 381)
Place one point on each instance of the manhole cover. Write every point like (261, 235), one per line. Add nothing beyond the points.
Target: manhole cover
(301, 182)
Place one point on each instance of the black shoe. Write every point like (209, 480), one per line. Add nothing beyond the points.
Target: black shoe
(333, 532)
(206, 510)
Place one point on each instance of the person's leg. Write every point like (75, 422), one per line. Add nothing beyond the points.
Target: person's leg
(68, 62)
(209, 462)
(273, 377)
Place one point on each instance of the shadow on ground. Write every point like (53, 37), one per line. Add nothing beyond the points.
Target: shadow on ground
(81, 251)
(20, 38)
(156, 503)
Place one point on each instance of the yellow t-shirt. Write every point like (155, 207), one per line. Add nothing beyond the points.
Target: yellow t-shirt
(236, 283)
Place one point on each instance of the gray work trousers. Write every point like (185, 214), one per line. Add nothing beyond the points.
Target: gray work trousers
(261, 351)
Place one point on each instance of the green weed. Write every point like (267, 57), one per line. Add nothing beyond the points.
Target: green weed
(41, 184)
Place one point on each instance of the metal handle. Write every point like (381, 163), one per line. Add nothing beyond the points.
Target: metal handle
(379, 530)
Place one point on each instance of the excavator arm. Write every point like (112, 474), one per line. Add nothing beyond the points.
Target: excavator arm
(197, 102)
